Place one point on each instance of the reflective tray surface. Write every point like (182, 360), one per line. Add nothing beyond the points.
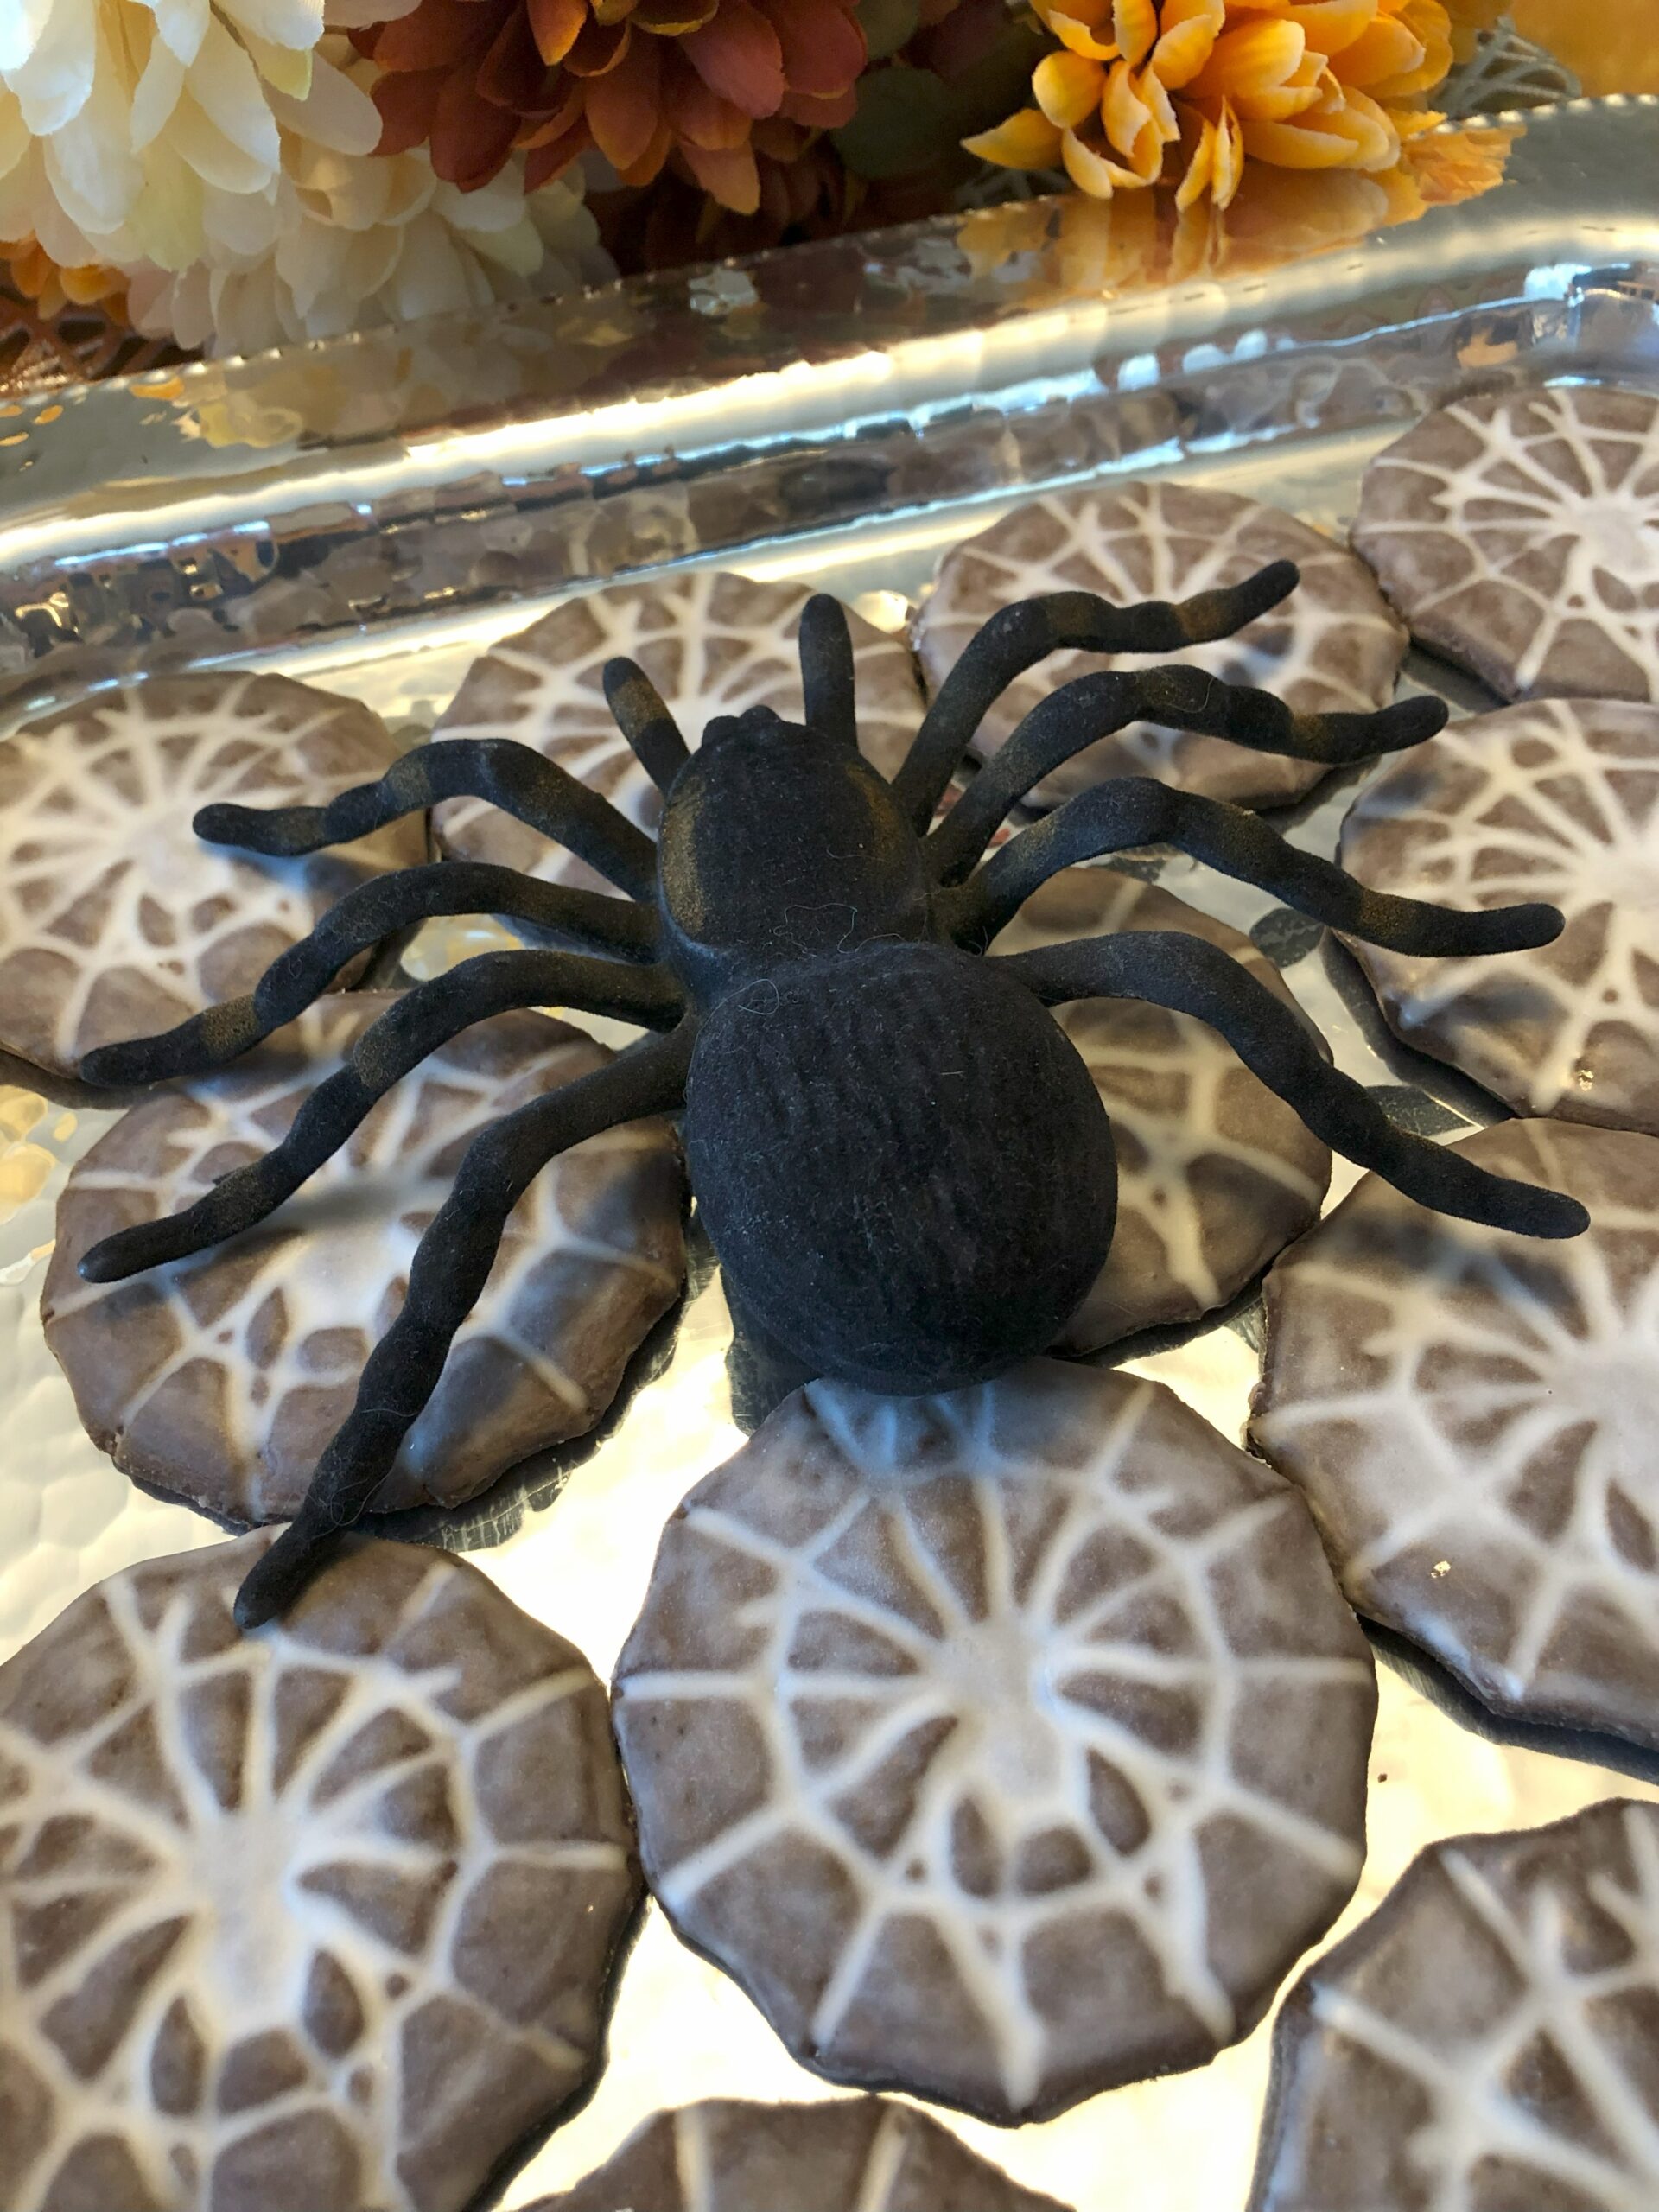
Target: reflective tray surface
(369, 513)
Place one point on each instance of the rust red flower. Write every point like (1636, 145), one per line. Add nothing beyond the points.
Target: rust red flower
(703, 81)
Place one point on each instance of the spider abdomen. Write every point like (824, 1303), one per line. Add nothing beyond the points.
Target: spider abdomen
(902, 1162)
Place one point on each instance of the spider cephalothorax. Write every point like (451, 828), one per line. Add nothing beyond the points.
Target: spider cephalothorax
(902, 1162)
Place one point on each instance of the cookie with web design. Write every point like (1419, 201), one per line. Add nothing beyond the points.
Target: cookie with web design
(1556, 799)
(322, 1917)
(712, 642)
(1473, 1416)
(115, 919)
(1488, 2040)
(1005, 1746)
(1518, 534)
(221, 1377)
(1332, 646)
(857, 2154)
(1215, 1174)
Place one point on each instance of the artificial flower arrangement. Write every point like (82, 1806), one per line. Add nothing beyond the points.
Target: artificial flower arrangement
(233, 174)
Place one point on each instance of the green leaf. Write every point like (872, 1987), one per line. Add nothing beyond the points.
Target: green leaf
(906, 120)
(886, 24)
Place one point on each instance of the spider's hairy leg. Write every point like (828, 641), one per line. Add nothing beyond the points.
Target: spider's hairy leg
(513, 777)
(367, 915)
(827, 680)
(1185, 974)
(1017, 637)
(451, 1266)
(1129, 810)
(1092, 706)
(641, 713)
(417, 1025)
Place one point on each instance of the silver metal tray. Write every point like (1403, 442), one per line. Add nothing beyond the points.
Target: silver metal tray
(370, 512)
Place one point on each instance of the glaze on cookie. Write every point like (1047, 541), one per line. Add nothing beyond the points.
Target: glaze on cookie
(1005, 1746)
(222, 1377)
(1519, 533)
(115, 918)
(1332, 647)
(1473, 1421)
(315, 1921)
(857, 2154)
(1556, 800)
(1488, 2040)
(712, 643)
(1215, 1174)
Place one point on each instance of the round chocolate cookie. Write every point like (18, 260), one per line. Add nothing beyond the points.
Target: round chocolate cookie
(1473, 1418)
(1215, 1174)
(1005, 1746)
(1488, 2041)
(712, 643)
(1332, 647)
(221, 1377)
(1518, 534)
(855, 2154)
(318, 1919)
(1556, 800)
(115, 919)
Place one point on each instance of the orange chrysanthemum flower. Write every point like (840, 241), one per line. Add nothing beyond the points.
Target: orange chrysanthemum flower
(1142, 90)
(39, 278)
(639, 79)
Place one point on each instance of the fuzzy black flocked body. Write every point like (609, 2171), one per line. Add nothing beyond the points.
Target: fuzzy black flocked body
(900, 1159)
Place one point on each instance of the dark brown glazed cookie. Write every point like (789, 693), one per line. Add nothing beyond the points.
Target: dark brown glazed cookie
(222, 1377)
(1215, 1174)
(1488, 2041)
(712, 642)
(115, 919)
(318, 1919)
(1556, 800)
(856, 2154)
(1473, 1418)
(1005, 1746)
(1519, 533)
(1332, 647)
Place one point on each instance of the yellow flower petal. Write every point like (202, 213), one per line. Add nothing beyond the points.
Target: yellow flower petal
(1357, 136)
(1068, 88)
(1427, 23)
(1191, 28)
(1133, 126)
(1081, 38)
(1250, 59)
(1200, 170)
(1330, 26)
(1093, 173)
(1386, 48)
(1134, 26)
(1228, 169)
(1027, 141)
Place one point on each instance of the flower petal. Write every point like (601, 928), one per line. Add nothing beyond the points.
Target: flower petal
(1027, 140)
(1134, 26)
(437, 36)
(471, 137)
(182, 24)
(738, 55)
(335, 112)
(1068, 88)
(824, 51)
(1257, 55)
(23, 25)
(702, 116)
(556, 24)
(1082, 38)
(621, 107)
(297, 23)
(155, 95)
(54, 83)
(407, 102)
(1385, 48)
(225, 87)
(1191, 28)
(730, 178)
(1094, 172)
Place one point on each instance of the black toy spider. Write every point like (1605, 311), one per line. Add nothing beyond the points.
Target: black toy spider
(901, 1160)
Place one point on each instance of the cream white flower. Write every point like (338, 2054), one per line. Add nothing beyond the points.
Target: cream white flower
(130, 128)
(347, 240)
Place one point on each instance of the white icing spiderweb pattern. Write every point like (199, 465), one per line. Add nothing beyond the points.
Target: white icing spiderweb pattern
(712, 642)
(224, 1376)
(1332, 646)
(1215, 1174)
(991, 1714)
(1519, 532)
(1556, 801)
(115, 919)
(1473, 1420)
(317, 1917)
(1491, 2010)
